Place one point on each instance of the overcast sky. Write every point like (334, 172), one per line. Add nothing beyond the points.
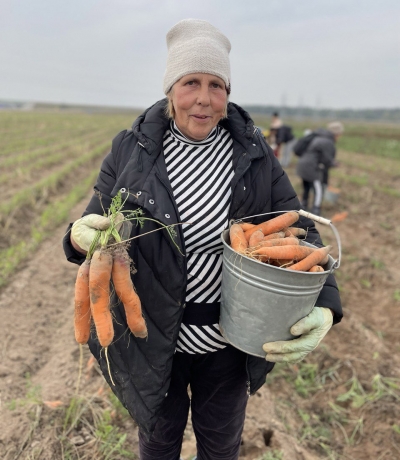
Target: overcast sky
(319, 53)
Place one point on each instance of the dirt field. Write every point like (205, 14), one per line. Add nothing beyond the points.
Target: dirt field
(342, 402)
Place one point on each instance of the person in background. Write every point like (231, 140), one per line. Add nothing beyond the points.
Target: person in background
(193, 157)
(283, 140)
(276, 123)
(314, 164)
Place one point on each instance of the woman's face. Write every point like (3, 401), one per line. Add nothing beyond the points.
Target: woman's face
(199, 101)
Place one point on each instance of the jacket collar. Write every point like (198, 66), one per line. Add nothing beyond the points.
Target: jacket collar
(149, 128)
(238, 123)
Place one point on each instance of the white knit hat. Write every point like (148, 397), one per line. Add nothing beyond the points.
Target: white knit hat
(196, 46)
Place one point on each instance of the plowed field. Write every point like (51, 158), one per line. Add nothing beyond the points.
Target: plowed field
(342, 402)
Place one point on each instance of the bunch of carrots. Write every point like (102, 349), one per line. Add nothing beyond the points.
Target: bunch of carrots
(108, 261)
(277, 242)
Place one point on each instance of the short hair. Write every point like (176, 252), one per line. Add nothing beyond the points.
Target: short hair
(336, 128)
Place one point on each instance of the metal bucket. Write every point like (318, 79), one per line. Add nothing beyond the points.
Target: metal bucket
(260, 302)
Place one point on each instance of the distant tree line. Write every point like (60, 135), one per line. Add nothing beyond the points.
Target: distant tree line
(299, 113)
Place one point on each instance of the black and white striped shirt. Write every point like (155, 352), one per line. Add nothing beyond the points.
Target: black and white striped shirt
(200, 174)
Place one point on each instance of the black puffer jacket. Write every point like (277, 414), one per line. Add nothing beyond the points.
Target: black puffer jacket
(319, 157)
(141, 367)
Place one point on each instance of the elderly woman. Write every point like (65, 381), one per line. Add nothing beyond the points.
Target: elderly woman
(192, 157)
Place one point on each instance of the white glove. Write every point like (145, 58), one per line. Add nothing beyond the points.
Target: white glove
(312, 330)
(84, 229)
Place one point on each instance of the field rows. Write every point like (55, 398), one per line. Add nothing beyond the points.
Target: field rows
(31, 166)
(341, 403)
(44, 175)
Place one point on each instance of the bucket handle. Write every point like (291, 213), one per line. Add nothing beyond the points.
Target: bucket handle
(324, 221)
(315, 218)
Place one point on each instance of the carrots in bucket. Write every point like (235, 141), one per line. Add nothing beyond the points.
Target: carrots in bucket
(276, 224)
(315, 258)
(238, 240)
(256, 238)
(277, 242)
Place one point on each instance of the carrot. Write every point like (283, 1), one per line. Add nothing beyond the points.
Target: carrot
(339, 216)
(278, 242)
(312, 259)
(256, 238)
(99, 289)
(276, 224)
(238, 240)
(292, 252)
(121, 277)
(295, 231)
(246, 226)
(325, 260)
(316, 269)
(82, 304)
(281, 262)
(273, 236)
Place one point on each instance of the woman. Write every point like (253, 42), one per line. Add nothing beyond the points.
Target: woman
(314, 164)
(192, 157)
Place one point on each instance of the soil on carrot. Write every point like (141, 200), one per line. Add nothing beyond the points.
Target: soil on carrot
(342, 402)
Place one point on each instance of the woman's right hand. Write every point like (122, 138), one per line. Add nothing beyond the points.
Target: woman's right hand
(84, 230)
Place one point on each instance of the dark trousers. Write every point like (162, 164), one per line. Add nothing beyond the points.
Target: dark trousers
(218, 384)
(317, 187)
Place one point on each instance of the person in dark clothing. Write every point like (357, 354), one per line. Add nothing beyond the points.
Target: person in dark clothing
(314, 164)
(276, 123)
(285, 141)
(282, 139)
(191, 157)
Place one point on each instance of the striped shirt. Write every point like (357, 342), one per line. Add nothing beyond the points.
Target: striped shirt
(200, 173)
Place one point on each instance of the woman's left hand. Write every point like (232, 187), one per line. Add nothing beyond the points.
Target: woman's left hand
(312, 330)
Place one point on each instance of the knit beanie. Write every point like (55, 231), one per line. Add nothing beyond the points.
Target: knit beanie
(196, 46)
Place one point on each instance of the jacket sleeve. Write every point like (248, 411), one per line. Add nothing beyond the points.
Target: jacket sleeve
(103, 188)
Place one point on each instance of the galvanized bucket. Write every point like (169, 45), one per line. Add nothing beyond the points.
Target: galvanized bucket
(260, 302)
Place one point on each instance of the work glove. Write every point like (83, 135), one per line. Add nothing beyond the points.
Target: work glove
(84, 229)
(312, 330)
